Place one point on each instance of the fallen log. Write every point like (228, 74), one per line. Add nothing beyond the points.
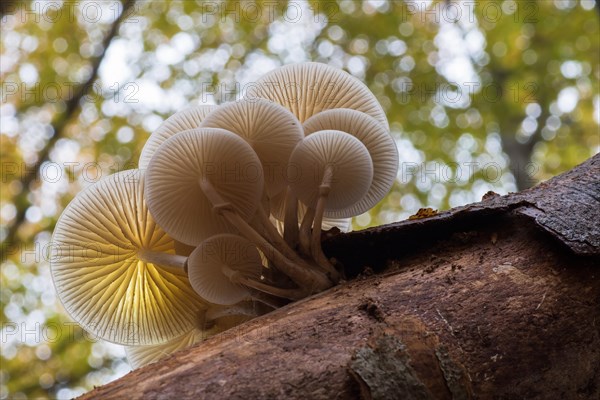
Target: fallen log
(495, 300)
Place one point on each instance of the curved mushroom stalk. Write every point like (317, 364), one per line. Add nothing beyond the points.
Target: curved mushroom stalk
(305, 231)
(173, 262)
(324, 189)
(291, 233)
(291, 294)
(337, 172)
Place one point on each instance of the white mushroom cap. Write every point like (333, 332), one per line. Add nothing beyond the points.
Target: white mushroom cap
(173, 177)
(377, 140)
(183, 120)
(308, 88)
(210, 265)
(98, 272)
(270, 129)
(352, 169)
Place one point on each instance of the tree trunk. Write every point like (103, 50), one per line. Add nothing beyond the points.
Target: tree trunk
(495, 300)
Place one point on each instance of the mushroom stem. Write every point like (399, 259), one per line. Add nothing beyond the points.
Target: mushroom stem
(257, 295)
(279, 243)
(292, 294)
(309, 279)
(275, 276)
(168, 261)
(290, 219)
(239, 278)
(239, 309)
(315, 245)
(267, 299)
(306, 246)
(305, 227)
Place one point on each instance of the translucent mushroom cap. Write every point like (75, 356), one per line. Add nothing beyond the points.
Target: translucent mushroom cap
(139, 356)
(308, 88)
(183, 120)
(377, 140)
(99, 276)
(270, 129)
(351, 164)
(210, 267)
(173, 177)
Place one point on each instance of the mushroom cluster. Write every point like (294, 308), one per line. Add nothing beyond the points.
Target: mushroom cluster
(222, 221)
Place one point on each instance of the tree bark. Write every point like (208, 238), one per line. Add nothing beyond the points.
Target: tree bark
(495, 300)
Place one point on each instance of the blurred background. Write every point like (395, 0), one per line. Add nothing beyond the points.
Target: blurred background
(480, 95)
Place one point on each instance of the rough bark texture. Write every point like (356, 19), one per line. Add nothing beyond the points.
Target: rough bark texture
(496, 300)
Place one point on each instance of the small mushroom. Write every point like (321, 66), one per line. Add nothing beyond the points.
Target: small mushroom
(214, 264)
(222, 268)
(377, 140)
(184, 120)
(269, 128)
(309, 88)
(336, 172)
(115, 269)
(174, 192)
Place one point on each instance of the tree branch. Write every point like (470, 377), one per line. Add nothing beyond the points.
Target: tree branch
(58, 125)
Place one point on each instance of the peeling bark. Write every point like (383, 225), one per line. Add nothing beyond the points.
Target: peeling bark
(496, 300)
